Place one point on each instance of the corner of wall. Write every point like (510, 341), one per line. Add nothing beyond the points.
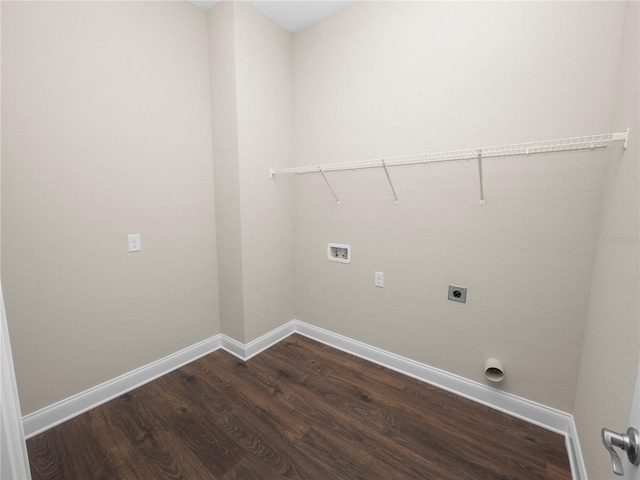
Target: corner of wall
(222, 67)
(252, 132)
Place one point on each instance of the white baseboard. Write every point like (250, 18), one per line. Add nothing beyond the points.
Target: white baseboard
(253, 348)
(578, 468)
(532, 412)
(232, 346)
(68, 408)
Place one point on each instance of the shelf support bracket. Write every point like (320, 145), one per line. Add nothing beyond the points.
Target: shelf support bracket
(329, 185)
(621, 136)
(480, 174)
(384, 165)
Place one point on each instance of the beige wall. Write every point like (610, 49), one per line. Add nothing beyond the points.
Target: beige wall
(112, 113)
(106, 132)
(611, 345)
(251, 64)
(392, 78)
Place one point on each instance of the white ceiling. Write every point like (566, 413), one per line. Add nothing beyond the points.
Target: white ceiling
(292, 15)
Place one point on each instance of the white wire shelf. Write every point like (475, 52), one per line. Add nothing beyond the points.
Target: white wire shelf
(544, 146)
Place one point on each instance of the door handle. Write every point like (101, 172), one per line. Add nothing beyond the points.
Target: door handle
(629, 442)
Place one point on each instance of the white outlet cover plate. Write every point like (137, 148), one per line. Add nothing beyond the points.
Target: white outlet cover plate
(134, 242)
(378, 279)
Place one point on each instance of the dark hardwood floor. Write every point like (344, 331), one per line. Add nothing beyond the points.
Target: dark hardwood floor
(300, 410)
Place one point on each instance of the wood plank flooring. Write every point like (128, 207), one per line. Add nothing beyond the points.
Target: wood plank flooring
(300, 410)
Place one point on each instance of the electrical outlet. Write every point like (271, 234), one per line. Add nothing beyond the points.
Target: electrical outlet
(134, 242)
(378, 279)
(458, 294)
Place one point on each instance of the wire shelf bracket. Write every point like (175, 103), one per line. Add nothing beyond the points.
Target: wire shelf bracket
(546, 146)
(329, 185)
(384, 165)
(480, 175)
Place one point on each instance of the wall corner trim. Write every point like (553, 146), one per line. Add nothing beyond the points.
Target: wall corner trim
(532, 412)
